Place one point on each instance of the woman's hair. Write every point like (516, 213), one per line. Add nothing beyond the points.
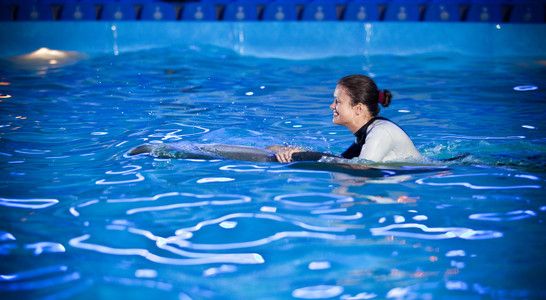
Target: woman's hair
(362, 89)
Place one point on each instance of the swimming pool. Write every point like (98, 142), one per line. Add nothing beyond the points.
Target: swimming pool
(80, 219)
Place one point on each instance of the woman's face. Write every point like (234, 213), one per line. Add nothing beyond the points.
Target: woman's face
(343, 110)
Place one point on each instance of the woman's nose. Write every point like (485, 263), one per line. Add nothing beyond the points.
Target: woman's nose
(332, 105)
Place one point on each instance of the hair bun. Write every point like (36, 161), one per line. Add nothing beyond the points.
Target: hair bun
(385, 98)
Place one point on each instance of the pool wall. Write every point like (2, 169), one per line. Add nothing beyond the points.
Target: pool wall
(292, 40)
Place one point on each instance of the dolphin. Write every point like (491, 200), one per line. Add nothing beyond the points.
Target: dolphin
(189, 150)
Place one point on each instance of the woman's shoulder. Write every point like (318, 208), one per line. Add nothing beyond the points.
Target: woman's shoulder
(385, 127)
(384, 124)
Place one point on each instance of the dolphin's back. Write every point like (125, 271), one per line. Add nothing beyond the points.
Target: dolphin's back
(189, 150)
(205, 151)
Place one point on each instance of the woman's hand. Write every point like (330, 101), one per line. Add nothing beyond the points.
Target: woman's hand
(283, 153)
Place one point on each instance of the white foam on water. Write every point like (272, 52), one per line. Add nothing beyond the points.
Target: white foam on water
(398, 293)
(220, 270)
(359, 296)
(501, 217)
(269, 209)
(45, 247)
(420, 218)
(317, 292)
(28, 203)
(456, 285)
(215, 179)
(434, 233)
(145, 273)
(319, 265)
(525, 88)
(228, 224)
(454, 253)
(427, 181)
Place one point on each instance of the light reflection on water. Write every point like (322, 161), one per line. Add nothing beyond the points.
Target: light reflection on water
(80, 218)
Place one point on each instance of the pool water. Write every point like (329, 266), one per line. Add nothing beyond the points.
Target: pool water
(80, 219)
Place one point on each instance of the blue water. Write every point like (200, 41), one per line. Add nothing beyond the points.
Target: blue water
(80, 219)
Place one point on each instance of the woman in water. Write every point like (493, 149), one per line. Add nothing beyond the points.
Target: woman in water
(356, 106)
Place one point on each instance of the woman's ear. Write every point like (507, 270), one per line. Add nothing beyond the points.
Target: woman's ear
(359, 108)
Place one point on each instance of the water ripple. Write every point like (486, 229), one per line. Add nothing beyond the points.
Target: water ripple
(6, 236)
(238, 200)
(152, 284)
(319, 265)
(23, 275)
(359, 296)
(435, 233)
(27, 203)
(277, 218)
(502, 217)
(220, 270)
(304, 196)
(355, 216)
(153, 198)
(45, 247)
(14, 282)
(145, 273)
(398, 293)
(138, 178)
(264, 241)
(424, 181)
(132, 168)
(252, 258)
(453, 253)
(32, 151)
(271, 169)
(318, 292)
(469, 137)
(132, 171)
(215, 179)
(244, 168)
(177, 133)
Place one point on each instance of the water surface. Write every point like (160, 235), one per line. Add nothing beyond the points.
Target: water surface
(79, 219)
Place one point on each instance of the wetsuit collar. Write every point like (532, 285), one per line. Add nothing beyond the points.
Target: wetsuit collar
(354, 150)
(363, 131)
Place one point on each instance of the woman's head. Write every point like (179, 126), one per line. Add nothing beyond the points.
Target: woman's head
(363, 90)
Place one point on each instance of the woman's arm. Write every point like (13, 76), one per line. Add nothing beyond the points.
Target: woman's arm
(284, 153)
